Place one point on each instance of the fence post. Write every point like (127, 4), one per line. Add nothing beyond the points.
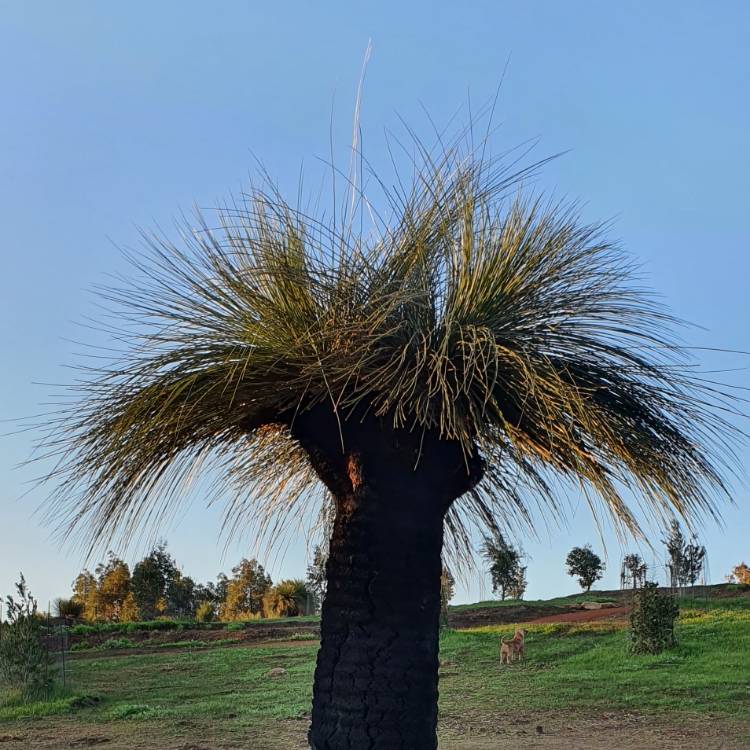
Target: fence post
(63, 639)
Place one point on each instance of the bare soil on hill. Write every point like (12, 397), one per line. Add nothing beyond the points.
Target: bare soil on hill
(539, 614)
(534, 615)
(582, 615)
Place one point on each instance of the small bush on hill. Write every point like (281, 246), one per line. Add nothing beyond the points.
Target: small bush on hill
(133, 711)
(25, 663)
(118, 643)
(69, 608)
(129, 627)
(652, 620)
(205, 612)
(81, 646)
(285, 599)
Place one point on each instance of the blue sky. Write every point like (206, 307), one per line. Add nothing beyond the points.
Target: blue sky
(116, 116)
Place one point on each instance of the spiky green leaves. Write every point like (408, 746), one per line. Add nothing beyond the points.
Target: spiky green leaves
(504, 324)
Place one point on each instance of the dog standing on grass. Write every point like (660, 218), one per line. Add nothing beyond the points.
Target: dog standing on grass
(512, 649)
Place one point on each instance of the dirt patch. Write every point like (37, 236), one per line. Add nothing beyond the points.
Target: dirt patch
(473, 618)
(628, 731)
(523, 731)
(584, 615)
(479, 616)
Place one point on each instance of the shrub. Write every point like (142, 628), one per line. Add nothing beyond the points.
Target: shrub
(652, 620)
(132, 710)
(25, 663)
(128, 627)
(69, 608)
(205, 612)
(285, 599)
(235, 626)
(81, 646)
(118, 643)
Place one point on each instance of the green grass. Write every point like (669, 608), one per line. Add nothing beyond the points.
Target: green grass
(568, 666)
(125, 643)
(588, 666)
(560, 601)
(150, 625)
(61, 702)
(207, 684)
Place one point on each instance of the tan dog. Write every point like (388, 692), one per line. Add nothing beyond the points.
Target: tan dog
(513, 648)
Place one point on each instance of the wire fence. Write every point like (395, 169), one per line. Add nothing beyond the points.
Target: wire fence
(56, 641)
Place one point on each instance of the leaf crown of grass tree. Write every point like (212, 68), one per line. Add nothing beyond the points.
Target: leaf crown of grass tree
(465, 311)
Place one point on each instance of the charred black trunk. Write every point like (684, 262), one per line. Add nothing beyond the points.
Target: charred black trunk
(377, 671)
(376, 677)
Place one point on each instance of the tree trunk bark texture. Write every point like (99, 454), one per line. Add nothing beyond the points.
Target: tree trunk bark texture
(376, 680)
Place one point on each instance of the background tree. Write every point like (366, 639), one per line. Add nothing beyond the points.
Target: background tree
(432, 364)
(634, 569)
(211, 593)
(129, 611)
(447, 589)
(245, 591)
(685, 559)
(113, 587)
(160, 588)
(221, 587)
(286, 599)
(506, 570)
(584, 563)
(85, 592)
(71, 609)
(179, 595)
(695, 557)
(149, 583)
(316, 576)
(676, 563)
(517, 587)
(740, 574)
(205, 611)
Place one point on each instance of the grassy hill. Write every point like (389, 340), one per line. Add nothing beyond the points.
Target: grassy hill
(224, 696)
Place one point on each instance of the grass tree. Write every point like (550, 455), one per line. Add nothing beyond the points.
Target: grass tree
(440, 363)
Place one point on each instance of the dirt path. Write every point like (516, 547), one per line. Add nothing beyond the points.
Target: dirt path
(548, 731)
(625, 731)
(584, 615)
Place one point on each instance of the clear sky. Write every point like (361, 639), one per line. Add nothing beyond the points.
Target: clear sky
(118, 115)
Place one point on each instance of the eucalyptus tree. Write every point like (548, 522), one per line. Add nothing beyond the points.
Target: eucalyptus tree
(584, 563)
(441, 360)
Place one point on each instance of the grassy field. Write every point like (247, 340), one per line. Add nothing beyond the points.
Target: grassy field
(222, 695)
(560, 601)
